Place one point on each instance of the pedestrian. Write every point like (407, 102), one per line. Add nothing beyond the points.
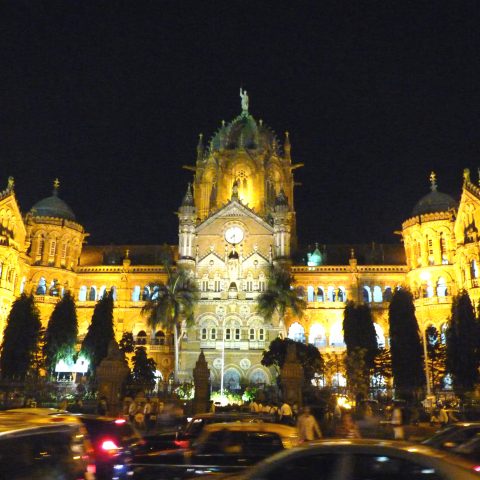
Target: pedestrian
(285, 414)
(254, 406)
(397, 422)
(442, 416)
(132, 410)
(347, 428)
(147, 412)
(307, 426)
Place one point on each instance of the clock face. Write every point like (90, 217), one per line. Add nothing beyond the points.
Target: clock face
(234, 235)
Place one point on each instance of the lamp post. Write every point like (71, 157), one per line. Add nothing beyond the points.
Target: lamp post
(222, 371)
(425, 356)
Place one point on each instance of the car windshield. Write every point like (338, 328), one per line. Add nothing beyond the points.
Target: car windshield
(441, 436)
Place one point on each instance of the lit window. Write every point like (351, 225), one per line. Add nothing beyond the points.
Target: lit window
(204, 333)
(213, 334)
(251, 334)
(237, 334)
(228, 334)
(261, 334)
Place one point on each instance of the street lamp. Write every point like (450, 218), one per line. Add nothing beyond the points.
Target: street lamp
(222, 371)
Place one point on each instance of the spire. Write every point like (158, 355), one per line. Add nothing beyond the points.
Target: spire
(286, 145)
(433, 181)
(10, 184)
(188, 198)
(56, 186)
(200, 147)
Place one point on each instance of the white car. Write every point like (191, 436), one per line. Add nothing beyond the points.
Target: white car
(362, 459)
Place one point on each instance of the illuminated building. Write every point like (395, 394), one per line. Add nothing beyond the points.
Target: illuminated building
(234, 221)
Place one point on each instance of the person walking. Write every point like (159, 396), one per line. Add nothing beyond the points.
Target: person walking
(307, 426)
(132, 410)
(285, 414)
(147, 413)
(347, 427)
(397, 422)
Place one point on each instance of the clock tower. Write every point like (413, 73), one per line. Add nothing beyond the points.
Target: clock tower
(236, 223)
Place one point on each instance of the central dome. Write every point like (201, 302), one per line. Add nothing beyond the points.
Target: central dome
(244, 132)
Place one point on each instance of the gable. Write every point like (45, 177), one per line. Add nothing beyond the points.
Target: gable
(12, 228)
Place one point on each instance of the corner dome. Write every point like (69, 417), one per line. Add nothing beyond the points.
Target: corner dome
(434, 201)
(53, 206)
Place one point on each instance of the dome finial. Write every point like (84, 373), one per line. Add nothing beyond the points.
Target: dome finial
(244, 97)
(188, 198)
(56, 186)
(433, 181)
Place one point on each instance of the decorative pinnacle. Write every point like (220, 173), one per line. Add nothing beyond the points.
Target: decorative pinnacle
(10, 184)
(244, 97)
(352, 253)
(127, 253)
(56, 186)
(433, 181)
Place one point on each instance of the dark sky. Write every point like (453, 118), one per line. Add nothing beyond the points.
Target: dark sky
(111, 96)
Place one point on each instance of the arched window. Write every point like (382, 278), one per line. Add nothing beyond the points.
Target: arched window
(341, 294)
(377, 294)
(428, 290)
(310, 294)
(300, 291)
(261, 282)
(213, 334)
(387, 294)
(92, 294)
(336, 335)
(160, 338)
(146, 293)
(136, 293)
(320, 295)
(380, 335)
(204, 286)
(366, 294)
(231, 379)
(317, 336)
(41, 287)
(296, 332)
(22, 285)
(203, 334)
(154, 294)
(82, 294)
(441, 287)
(473, 269)
(141, 338)
(431, 258)
(41, 247)
(113, 291)
(101, 292)
(443, 249)
(258, 377)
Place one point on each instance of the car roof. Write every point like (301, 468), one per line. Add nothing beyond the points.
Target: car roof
(283, 430)
(18, 422)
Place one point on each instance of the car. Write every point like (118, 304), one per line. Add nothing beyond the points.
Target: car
(361, 459)
(43, 448)
(453, 435)
(113, 440)
(222, 447)
(187, 433)
(114, 443)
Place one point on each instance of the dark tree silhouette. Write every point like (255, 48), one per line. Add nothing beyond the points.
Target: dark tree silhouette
(308, 355)
(20, 339)
(405, 345)
(61, 334)
(437, 357)
(127, 343)
(100, 332)
(362, 346)
(143, 372)
(462, 344)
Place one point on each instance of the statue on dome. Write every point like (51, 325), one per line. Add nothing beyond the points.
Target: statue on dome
(244, 97)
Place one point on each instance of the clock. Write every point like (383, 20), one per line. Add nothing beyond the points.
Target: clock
(234, 235)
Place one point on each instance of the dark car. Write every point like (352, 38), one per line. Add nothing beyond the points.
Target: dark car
(222, 447)
(361, 459)
(193, 427)
(34, 447)
(114, 443)
(453, 435)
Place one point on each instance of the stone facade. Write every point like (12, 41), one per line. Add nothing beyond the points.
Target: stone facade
(236, 221)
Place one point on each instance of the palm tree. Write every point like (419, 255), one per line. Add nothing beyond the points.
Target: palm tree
(172, 302)
(280, 296)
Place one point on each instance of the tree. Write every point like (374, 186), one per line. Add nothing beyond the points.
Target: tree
(405, 345)
(437, 357)
(462, 344)
(143, 372)
(100, 332)
(173, 303)
(127, 343)
(280, 296)
(382, 368)
(20, 338)
(308, 356)
(61, 334)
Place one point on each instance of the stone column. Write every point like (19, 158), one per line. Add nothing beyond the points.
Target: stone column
(292, 378)
(201, 378)
(111, 373)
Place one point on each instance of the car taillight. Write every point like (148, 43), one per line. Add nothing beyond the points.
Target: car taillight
(477, 468)
(109, 446)
(182, 443)
(120, 421)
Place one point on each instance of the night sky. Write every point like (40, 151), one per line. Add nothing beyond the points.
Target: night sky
(110, 98)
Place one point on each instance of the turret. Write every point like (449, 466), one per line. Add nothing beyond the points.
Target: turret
(186, 230)
(281, 226)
